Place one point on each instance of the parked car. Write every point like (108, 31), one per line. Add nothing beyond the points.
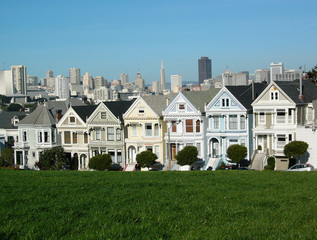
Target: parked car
(244, 168)
(301, 167)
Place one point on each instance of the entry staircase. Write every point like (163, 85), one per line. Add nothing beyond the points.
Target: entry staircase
(129, 167)
(257, 161)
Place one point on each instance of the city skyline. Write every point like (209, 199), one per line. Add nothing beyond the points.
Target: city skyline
(130, 37)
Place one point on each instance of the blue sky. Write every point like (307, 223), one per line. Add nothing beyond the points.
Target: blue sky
(110, 37)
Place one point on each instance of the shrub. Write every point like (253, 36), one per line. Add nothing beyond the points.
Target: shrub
(146, 158)
(237, 152)
(7, 157)
(270, 163)
(268, 167)
(187, 156)
(259, 147)
(53, 159)
(292, 162)
(100, 162)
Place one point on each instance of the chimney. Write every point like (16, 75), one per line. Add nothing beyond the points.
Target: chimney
(301, 97)
(58, 114)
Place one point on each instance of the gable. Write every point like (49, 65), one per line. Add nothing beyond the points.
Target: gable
(140, 109)
(224, 100)
(181, 106)
(273, 95)
(102, 115)
(71, 118)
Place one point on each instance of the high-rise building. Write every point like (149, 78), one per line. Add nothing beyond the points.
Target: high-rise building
(6, 84)
(62, 87)
(103, 94)
(262, 75)
(176, 83)
(163, 80)
(204, 69)
(124, 77)
(88, 81)
(19, 79)
(31, 81)
(100, 82)
(275, 69)
(139, 82)
(49, 74)
(50, 80)
(155, 87)
(74, 76)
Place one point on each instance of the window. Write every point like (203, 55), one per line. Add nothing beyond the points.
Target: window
(290, 115)
(72, 120)
(103, 115)
(189, 125)
(74, 137)
(33, 154)
(110, 134)
(280, 116)
(225, 102)
(24, 136)
(242, 141)
(233, 141)
(53, 136)
(156, 130)
(216, 122)
(148, 129)
(274, 95)
(262, 118)
(67, 137)
(281, 140)
(149, 148)
(141, 111)
(174, 126)
(39, 137)
(134, 130)
(290, 137)
(112, 155)
(197, 126)
(98, 134)
(46, 137)
(242, 122)
(157, 151)
(85, 137)
(181, 107)
(118, 134)
(119, 156)
(233, 122)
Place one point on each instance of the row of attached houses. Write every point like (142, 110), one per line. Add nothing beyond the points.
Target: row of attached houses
(264, 118)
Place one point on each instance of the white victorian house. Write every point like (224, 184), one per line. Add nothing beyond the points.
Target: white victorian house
(186, 124)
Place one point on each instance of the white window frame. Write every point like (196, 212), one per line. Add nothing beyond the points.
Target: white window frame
(235, 122)
(214, 122)
(69, 120)
(98, 133)
(134, 130)
(263, 119)
(148, 132)
(24, 135)
(110, 134)
(242, 122)
(225, 102)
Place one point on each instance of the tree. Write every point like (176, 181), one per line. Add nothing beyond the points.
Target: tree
(7, 157)
(146, 158)
(100, 162)
(237, 152)
(312, 75)
(295, 149)
(53, 159)
(187, 156)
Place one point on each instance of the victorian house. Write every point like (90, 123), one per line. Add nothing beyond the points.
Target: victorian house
(186, 124)
(145, 126)
(96, 129)
(279, 109)
(36, 133)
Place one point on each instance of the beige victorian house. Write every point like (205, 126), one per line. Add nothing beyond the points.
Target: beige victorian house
(145, 126)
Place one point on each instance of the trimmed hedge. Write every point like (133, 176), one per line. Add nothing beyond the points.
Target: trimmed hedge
(100, 162)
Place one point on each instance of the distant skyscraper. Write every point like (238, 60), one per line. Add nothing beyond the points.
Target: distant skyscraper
(124, 78)
(139, 82)
(88, 81)
(100, 82)
(74, 76)
(62, 87)
(204, 69)
(262, 75)
(275, 69)
(19, 78)
(31, 81)
(155, 87)
(176, 83)
(49, 74)
(163, 80)
(6, 84)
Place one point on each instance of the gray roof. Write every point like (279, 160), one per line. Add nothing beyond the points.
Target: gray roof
(63, 106)
(40, 116)
(159, 102)
(291, 88)
(200, 98)
(5, 119)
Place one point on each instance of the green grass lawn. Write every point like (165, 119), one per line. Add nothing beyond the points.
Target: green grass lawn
(158, 205)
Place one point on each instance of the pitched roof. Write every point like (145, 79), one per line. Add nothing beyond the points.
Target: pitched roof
(85, 111)
(291, 88)
(40, 116)
(118, 108)
(5, 119)
(63, 105)
(244, 93)
(158, 102)
(200, 98)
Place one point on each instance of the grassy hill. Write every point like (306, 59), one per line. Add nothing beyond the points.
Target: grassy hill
(158, 205)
